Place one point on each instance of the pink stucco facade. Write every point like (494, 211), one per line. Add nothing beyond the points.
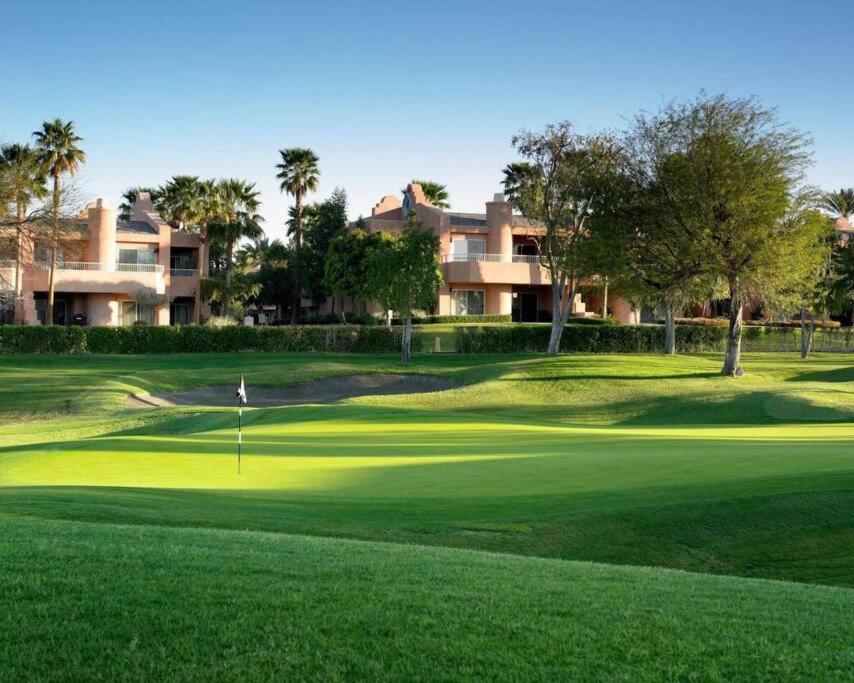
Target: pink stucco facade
(113, 272)
(489, 261)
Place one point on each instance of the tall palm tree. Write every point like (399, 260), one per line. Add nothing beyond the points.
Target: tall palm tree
(435, 193)
(299, 174)
(26, 184)
(57, 145)
(839, 203)
(238, 217)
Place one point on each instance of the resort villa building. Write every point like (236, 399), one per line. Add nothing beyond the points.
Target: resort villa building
(110, 272)
(489, 261)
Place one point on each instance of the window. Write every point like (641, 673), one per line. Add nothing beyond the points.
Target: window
(137, 256)
(130, 312)
(7, 308)
(58, 311)
(467, 249)
(525, 249)
(467, 302)
(179, 314)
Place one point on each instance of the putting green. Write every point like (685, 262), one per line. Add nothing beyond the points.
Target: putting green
(624, 459)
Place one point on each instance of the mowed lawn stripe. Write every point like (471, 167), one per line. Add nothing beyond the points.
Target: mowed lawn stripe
(143, 603)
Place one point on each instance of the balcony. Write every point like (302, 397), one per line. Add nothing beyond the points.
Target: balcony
(183, 272)
(86, 277)
(492, 258)
(514, 269)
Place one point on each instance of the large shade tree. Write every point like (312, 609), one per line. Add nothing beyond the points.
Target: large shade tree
(559, 186)
(298, 174)
(657, 235)
(741, 173)
(59, 153)
(25, 184)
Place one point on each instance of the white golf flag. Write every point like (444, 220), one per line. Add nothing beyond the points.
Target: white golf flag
(241, 392)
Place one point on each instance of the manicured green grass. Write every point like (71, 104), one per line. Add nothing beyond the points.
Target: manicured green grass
(84, 602)
(627, 460)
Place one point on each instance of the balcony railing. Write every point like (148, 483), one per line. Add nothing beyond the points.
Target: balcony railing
(102, 267)
(493, 258)
(182, 272)
(6, 264)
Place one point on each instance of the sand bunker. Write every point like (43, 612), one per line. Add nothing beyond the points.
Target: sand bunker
(316, 391)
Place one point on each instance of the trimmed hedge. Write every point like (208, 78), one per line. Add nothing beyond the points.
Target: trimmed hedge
(724, 322)
(200, 339)
(640, 339)
(445, 319)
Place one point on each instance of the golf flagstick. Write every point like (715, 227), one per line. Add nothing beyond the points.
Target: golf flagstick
(241, 399)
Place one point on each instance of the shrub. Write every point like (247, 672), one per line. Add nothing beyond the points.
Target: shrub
(445, 319)
(335, 319)
(593, 321)
(643, 339)
(41, 339)
(706, 322)
(221, 321)
(603, 338)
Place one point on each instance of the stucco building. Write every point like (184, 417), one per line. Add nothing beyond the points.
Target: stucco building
(489, 260)
(110, 272)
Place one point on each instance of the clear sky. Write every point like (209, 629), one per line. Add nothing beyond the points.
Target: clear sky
(384, 92)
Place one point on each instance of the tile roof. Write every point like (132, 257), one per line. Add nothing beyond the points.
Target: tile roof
(139, 227)
(468, 219)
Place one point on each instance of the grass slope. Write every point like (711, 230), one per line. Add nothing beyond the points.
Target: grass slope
(624, 459)
(152, 603)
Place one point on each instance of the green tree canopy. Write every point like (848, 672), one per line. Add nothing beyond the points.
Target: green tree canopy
(403, 274)
(559, 186)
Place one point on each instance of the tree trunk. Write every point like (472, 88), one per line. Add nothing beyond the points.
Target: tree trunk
(18, 318)
(669, 331)
(406, 354)
(732, 359)
(297, 300)
(559, 314)
(228, 304)
(54, 245)
(557, 319)
(807, 332)
(605, 299)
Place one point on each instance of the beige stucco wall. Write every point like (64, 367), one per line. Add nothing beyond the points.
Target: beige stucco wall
(102, 309)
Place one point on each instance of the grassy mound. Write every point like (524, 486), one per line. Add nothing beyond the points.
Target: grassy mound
(98, 601)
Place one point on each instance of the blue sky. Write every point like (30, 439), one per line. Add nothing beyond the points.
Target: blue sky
(388, 91)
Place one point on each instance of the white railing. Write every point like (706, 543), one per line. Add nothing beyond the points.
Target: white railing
(102, 267)
(493, 258)
(182, 272)
(6, 264)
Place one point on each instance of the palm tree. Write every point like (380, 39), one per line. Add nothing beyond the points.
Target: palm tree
(179, 202)
(518, 177)
(238, 217)
(129, 198)
(840, 203)
(299, 174)
(26, 183)
(58, 154)
(435, 193)
(232, 293)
